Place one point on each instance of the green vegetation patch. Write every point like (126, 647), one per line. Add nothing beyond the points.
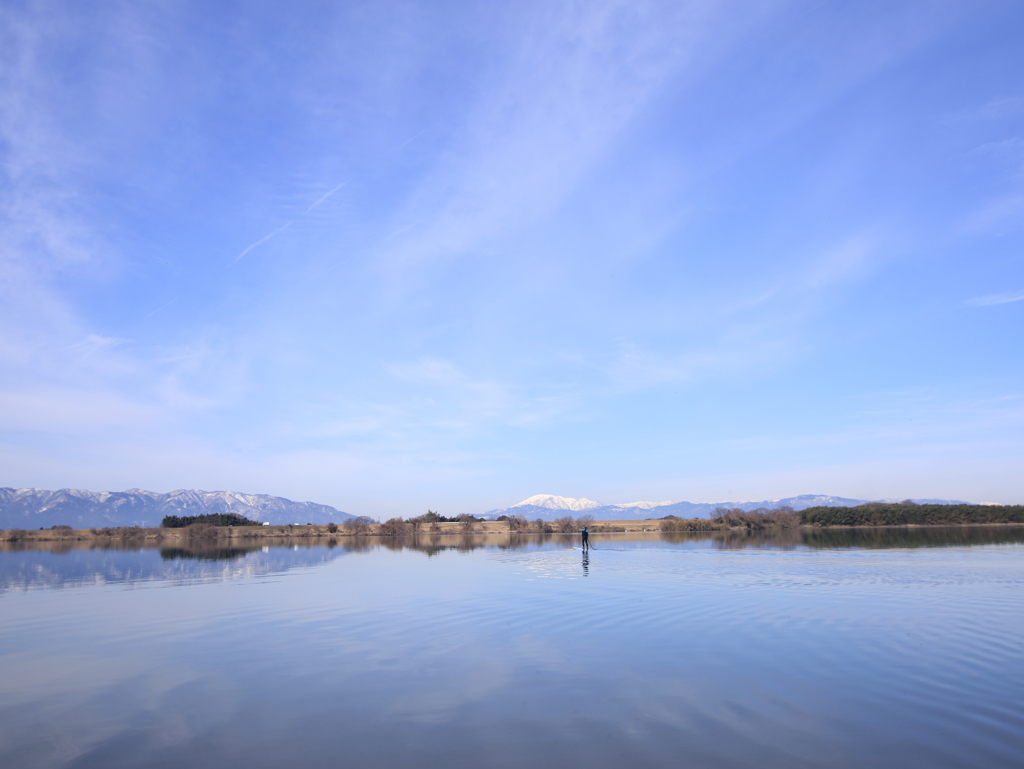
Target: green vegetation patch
(908, 514)
(213, 519)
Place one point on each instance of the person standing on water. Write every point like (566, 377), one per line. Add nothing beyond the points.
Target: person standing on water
(586, 538)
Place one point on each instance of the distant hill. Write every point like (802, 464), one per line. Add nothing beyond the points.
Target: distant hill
(35, 508)
(551, 502)
(549, 507)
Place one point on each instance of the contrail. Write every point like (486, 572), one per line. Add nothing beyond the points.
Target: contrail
(325, 197)
(410, 139)
(262, 240)
(265, 238)
(158, 309)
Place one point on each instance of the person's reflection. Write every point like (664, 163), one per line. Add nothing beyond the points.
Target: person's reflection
(586, 563)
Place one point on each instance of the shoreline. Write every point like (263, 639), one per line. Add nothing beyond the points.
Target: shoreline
(240, 534)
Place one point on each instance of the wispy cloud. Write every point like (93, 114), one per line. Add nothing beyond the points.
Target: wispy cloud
(995, 109)
(444, 377)
(911, 421)
(553, 214)
(444, 395)
(842, 263)
(985, 301)
(568, 88)
(75, 410)
(998, 216)
(93, 343)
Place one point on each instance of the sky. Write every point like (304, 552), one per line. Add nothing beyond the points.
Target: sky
(392, 256)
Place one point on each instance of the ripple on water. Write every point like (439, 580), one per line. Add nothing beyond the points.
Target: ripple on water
(650, 656)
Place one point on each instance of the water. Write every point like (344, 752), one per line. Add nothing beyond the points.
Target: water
(838, 649)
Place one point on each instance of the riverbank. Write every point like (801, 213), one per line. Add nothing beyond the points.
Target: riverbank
(311, 531)
(247, 534)
(227, 548)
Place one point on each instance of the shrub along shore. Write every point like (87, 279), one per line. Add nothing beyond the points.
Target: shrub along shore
(904, 514)
(723, 519)
(871, 514)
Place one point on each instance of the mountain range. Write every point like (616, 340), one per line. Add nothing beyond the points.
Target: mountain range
(35, 508)
(39, 508)
(549, 507)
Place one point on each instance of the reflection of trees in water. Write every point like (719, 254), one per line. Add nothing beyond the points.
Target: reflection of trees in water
(57, 566)
(737, 539)
(785, 539)
(66, 546)
(432, 543)
(56, 563)
(522, 541)
(25, 565)
(931, 536)
(206, 553)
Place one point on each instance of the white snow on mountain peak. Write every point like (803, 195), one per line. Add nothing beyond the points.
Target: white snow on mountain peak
(553, 502)
(548, 506)
(138, 507)
(645, 505)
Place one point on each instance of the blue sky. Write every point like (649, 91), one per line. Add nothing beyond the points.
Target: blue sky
(392, 256)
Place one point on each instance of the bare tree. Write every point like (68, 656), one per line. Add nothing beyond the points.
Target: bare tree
(359, 525)
(565, 524)
(394, 527)
(518, 522)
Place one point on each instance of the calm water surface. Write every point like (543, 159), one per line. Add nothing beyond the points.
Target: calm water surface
(855, 649)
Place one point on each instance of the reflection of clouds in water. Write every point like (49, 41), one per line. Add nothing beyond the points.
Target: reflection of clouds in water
(74, 564)
(480, 677)
(70, 564)
(27, 569)
(775, 568)
(460, 660)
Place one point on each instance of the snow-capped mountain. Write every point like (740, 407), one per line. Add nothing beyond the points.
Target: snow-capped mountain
(543, 506)
(551, 502)
(34, 508)
(549, 507)
(644, 505)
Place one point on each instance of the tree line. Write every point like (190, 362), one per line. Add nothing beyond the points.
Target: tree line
(212, 519)
(904, 513)
(872, 514)
(429, 522)
(908, 513)
(735, 518)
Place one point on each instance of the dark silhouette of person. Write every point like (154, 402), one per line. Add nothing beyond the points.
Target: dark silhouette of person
(586, 538)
